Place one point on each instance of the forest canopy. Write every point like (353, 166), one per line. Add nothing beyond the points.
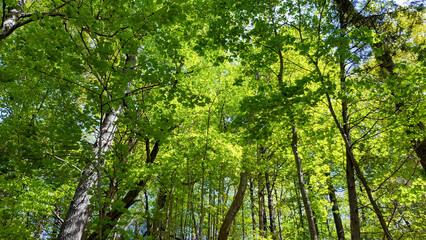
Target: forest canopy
(212, 119)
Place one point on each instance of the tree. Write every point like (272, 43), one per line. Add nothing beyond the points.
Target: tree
(148, 120)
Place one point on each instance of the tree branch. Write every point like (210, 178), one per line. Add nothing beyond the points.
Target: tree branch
(63, 160)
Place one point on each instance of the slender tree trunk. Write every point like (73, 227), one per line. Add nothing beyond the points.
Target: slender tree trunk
(271, 208)
(299, 206)
(169, 212)
(242, 221)
(336, 212)
(148, 219)
(209, 224)
(252, 206)
(279, 215)
(261, 202)
(261, 198)
(203, 169)
(235, 206)
(309, 214)
(350, 155)
(194, 220)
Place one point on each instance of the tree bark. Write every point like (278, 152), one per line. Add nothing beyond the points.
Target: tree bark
(235, 206)
(129, 199)
(271, 208)
(78, 212)
(309, 214)
(16, 18)
(336, 212)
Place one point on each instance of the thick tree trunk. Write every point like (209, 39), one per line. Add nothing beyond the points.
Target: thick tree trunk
(235, 206)
(78, 212)
(14, 17)
(129, 199)
(309, 214)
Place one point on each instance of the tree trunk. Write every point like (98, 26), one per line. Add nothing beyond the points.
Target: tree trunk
(129, 199)
(420, 148)
(385, 61)
(353, 163)
(78, 212)
(252, 206)
(235, 207)
(309, 214)
(271, 208)
(261, 197)
(336, 212)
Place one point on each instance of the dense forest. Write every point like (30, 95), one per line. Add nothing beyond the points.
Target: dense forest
(212, 119)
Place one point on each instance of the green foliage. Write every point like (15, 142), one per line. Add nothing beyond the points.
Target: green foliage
(216, 86)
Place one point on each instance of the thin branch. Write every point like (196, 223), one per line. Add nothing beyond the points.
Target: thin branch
(64, 79)
(365, 134)
(58, 217)
(402, 164)
(63, 160)
(136, 91)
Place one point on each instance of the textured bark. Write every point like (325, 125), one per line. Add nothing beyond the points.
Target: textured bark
(129, 199)
(16, 17)
(78, 212)
(235, 207)
(309, 214)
